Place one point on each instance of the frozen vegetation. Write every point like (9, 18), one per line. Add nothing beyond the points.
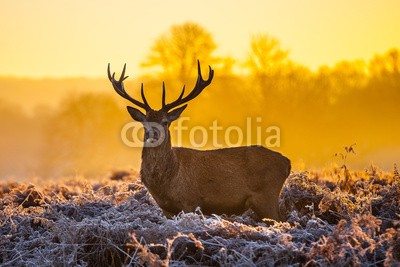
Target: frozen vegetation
(115, 222)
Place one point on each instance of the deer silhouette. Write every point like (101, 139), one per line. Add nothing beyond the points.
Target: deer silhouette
(222, 181)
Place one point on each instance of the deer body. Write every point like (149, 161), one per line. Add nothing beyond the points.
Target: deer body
(223, 181)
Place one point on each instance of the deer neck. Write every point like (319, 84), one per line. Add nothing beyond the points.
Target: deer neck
(159, 165)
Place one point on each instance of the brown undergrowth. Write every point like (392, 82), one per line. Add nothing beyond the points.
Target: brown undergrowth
(115, 222)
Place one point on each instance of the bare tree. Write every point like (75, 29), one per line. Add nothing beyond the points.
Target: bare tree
(387, 65)
(177, 50)
(265, 57)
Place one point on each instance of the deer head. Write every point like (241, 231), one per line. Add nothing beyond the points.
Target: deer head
(156, 122)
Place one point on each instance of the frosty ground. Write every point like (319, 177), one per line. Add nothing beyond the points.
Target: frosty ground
(115, 222)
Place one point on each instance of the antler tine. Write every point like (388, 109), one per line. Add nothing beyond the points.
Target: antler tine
(109, 72)
(200, 83)
(198, 88)
(182, 93)
(122, 77)
(199, 77)
(163, 95)
(118, 86)
(143, 97)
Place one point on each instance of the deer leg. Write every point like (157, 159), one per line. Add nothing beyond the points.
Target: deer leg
(263, 207)
(168, 214)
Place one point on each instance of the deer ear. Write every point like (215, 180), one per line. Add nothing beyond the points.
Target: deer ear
(136, 114)
(173, 115)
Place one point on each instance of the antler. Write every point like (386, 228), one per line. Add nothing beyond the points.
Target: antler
(198, 88)
(120, 89)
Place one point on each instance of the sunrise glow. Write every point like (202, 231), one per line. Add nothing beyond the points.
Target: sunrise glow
(78, 38)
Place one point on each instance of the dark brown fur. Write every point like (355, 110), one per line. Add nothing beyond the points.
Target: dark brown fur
(224, 181)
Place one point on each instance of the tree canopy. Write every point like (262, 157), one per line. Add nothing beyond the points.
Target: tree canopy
(177, 50)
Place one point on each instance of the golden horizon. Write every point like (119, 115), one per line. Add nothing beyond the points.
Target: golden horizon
(76, 39)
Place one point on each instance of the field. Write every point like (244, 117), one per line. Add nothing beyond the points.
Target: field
(333, 218)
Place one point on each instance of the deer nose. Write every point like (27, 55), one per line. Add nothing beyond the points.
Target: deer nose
(152, 135)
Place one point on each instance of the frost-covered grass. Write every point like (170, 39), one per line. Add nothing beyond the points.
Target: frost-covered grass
(114, 222)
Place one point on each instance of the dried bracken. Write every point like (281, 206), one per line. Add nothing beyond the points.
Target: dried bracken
(115, 222)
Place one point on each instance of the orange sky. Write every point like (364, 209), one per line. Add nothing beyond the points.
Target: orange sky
(78, 38)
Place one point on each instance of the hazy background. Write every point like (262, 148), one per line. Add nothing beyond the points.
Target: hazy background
(328, 74)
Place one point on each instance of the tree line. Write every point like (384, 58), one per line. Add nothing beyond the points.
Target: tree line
(318, 112)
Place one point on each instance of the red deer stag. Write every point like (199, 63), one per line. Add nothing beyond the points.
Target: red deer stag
(223, 181)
